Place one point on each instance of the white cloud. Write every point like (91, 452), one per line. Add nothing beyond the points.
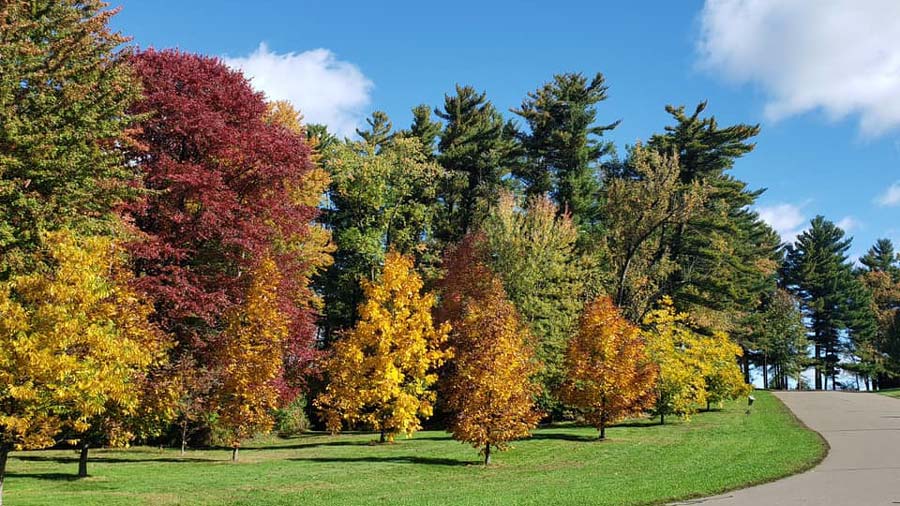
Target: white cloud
(848, 223)
(891, 196)
(787, 219)
(838, 56)
(324, 89)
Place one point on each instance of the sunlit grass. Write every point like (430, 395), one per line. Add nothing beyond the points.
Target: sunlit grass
(641, 463)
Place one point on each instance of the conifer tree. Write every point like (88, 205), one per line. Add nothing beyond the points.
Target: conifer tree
(817, 272)
(478, 148)
(563, 145)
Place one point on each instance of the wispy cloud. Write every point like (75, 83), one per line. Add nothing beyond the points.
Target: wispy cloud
(891, 196)
(838, 56)
(324, 89)
(787, 219)
(848, 223)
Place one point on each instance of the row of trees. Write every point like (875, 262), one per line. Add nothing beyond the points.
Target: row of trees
(180, 258)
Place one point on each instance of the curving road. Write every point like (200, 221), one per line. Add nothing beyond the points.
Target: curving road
(861, 469)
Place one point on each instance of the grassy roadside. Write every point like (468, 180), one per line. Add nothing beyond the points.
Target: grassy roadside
(641, 463)
(891, 392)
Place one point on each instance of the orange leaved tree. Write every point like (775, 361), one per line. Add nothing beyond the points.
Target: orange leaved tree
(381, 372)
(489, 386)
(608, 374)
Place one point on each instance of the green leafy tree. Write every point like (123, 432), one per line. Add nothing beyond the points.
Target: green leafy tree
(377, 201)
(877, 352)
(532, 248)
(643, 201)
(64, 91)
(563, 144)
(779, 342)
(477, 147)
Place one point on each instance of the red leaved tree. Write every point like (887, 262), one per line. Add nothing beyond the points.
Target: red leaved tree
(220, 183)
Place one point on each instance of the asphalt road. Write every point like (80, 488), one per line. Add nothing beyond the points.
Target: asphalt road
(862, 467)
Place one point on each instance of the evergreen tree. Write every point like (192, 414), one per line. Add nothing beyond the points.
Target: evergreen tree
(64, 91)
(725, 255)
(779, 340)
(881, 257)
(380, 131)
(478, 148)
(563, 146)
(817, 272)
(424, 128)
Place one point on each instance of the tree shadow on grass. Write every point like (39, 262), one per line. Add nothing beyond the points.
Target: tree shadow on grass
(105, 460)
(562, 436)
(402, 459)
(45, 476)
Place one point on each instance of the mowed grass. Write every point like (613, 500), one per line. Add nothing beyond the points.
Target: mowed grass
(640, 463)
(891, 392)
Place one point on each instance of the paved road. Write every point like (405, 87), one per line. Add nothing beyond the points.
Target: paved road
(861, 469)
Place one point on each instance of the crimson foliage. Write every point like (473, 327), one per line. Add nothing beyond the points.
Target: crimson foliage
(220, 195)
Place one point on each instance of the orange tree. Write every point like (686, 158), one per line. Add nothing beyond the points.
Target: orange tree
(608, 374)
(489, 386)
(381, 372)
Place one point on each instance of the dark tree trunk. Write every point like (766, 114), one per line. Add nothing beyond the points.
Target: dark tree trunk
(818, 367)
(382, 439)
(602, 435)
(234, 453)
(83, 459)
(745, 362)
(487, 454)
(662, 418)
(4, 454)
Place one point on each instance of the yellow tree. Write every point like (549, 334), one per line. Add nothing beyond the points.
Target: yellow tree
(381, 372)
(250, 359)
(75, 345)
(608, 374)
(672, 345)
(490, 387)
(723, 377)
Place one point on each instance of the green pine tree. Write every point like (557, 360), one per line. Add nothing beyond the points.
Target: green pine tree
(478, 148)
(564, 145)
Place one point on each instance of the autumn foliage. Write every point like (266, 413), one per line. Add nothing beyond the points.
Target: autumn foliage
(75, 344)
(608, 374)
(489, 386)
(382, 370)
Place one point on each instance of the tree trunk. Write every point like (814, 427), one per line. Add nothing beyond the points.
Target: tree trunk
(382, 438)
(83, 459)
(602, 435)
(662, 418)
(765, 371)
(4, 454)
(818, 367)
(487, 454)
(183, 437)
(234, 453)
(745, 362)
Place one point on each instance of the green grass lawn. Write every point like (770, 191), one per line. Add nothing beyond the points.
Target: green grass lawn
(640, 463)
(891, 392)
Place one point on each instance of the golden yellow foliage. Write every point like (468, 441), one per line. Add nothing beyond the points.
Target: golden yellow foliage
(381, 372)
(693, 369)
(671, 342)
(75, 344)
(250, 356)
(608, 374)
(490, 386)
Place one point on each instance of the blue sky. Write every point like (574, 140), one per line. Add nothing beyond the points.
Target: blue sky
(822, 79)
